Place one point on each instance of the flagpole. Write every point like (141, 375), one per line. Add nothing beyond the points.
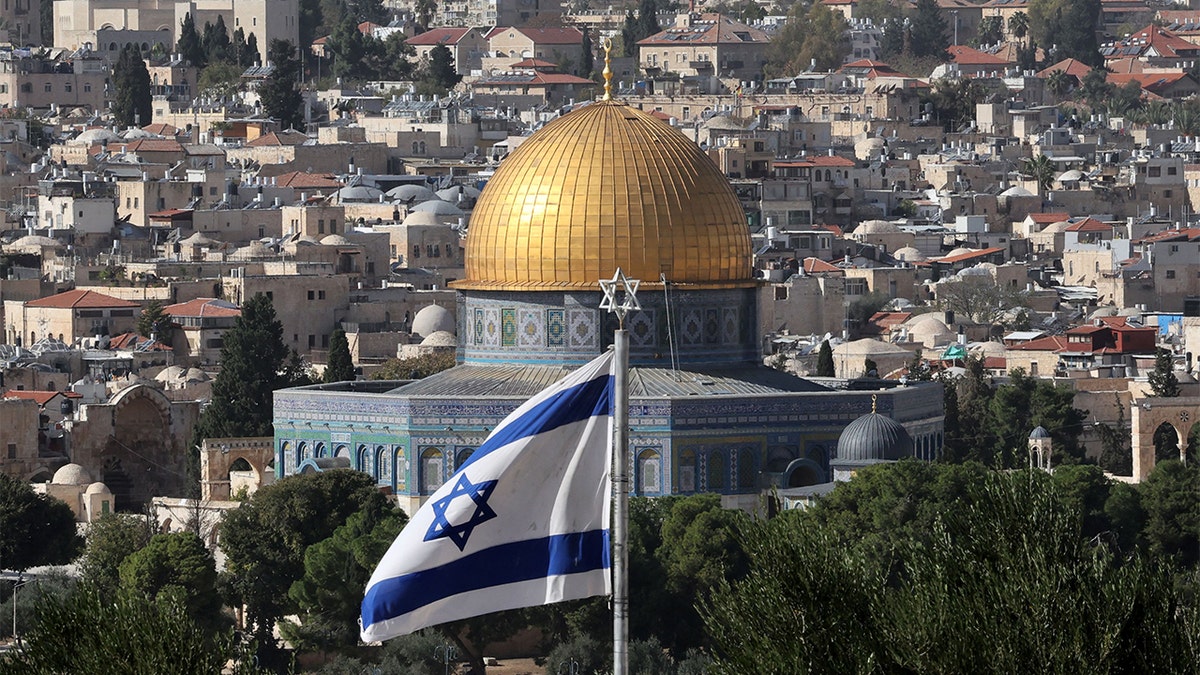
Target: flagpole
(620, 483)
(627, 288)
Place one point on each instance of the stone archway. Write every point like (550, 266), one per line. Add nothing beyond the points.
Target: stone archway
(1151, 413)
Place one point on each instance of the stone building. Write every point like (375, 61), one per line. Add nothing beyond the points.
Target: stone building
(603, 187)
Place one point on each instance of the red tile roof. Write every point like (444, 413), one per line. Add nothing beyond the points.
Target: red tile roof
(275, 138)
(80, 299)
(1052, 343)
(1073, 67)
(967, 256)
(438, 36)
(995, 363)
(1049, 218)
(535, 64)
(1154, 83)
(153, 145)
(299, 179)
(1089, 225)
(203, 307)
(818, 266)
(39, 396)
(969, 56)
(131, 340)
(710, 29)
(1158, 41)
(161, 128)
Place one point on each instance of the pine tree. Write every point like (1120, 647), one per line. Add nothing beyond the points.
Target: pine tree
(930, 34)
(281, 99)
(588, 62)
(131, 84)
(1162, 379)
(154, 321)
(252, 359)
(189, 45)
(825, 360)
(340, 367)
(441, 72)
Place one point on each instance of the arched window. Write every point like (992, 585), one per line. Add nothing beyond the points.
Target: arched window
(319, 450)
(747, 469)
(399, 470)
(687, 471)
(363, 459)
(286, 456)
(715, 471)
(342, 451)
(433, 466)
(378, 455)
(649, 472)
(461, 457)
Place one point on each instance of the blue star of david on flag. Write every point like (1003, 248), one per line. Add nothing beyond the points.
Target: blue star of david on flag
(441, 528)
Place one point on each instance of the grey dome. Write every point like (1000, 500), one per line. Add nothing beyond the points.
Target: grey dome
(1039, 432)
(433, 319)
(874, 437)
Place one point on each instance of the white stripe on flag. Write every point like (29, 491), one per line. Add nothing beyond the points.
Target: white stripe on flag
(523, 522)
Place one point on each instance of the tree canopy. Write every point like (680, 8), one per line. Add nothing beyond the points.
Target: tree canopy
(266, 538)
(812, 38)
(280, 93)
(340, 367)
(153, 321)
(131, 89)
(176, 565)
(37, 529)
(1067, 28)
(110, 540)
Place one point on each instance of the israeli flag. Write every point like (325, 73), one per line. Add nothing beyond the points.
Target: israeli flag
(523, 522)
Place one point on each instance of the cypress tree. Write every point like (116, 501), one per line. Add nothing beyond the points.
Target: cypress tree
(825, 360)
(340, 367)
(252, 359)
(1162, 379)
(189, 46)
(588, 62)
(281, 99)
(131, 85)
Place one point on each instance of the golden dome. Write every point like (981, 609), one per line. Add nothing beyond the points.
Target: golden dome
(602, 187)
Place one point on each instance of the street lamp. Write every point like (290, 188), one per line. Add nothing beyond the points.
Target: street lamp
(446, 654)
(18, 584)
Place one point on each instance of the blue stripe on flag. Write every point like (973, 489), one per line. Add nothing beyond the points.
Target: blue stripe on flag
(504, 564)
(586, 399)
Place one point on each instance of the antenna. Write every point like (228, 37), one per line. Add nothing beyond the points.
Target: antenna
(670, 327)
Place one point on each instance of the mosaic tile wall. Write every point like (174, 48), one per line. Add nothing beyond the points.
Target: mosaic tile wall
(703, 327)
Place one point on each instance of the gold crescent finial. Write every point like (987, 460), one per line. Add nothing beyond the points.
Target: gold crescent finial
(607, 70)
(873, 398)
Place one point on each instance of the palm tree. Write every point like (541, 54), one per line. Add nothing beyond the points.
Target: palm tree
(1058, 82)
(1018, 25)
(1040, 169)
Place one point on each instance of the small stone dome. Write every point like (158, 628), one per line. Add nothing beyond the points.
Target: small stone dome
(959, 251)
(438, 207)
(441, 338)
(1055, 228)
(433, 319)
(1016, 191)
(1038, 433)
(411, 193)
(336, 240)
(909, 254)
(71, 474)
(876, 227)
(874, 437)
(422, 218)
(868, 148)
(98, 488)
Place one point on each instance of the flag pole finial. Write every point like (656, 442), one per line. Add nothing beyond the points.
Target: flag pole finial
(607, 69)
(627, 289)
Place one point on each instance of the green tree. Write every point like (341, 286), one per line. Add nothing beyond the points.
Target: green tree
(340, 367)
(220, 79)
(930, 34)
(425, 10)
(1022, 404)
(395, 62)
(252, 358)
(810, 34)
(37, 529)
(215, 41)
(862, 309)
(336, 570)
(1069, 26)
(266, 538)
(954, 100)
(415, 368)
(1171, 504)
(347, 49)
(125, 634)
(588, 62)
(280, 93)
(1059, 83)
(110, 540)
(131, 89)
(1040, 169)
(154, 321)
(1162, 379)
(991, 30)
(978, 298)
(440, 72)
(825, 366)
(176, 565)
(1018, 25)
(189, 45)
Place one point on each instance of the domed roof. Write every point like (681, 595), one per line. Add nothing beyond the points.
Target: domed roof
(1039, 432)
(439, 207)
(441, 338)
(410, 192)
(335, 240)
(452, 194)
(959, 251)
(359, 193)
(94, 136)
(909, 254)
(1016, 191)
(876, 227)
(71, 474)
(930, 326)
(867, 347)
(988, 348)
(432, 319)
(422, 218)
(874, 437)
(602, 187)
(98, 489)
